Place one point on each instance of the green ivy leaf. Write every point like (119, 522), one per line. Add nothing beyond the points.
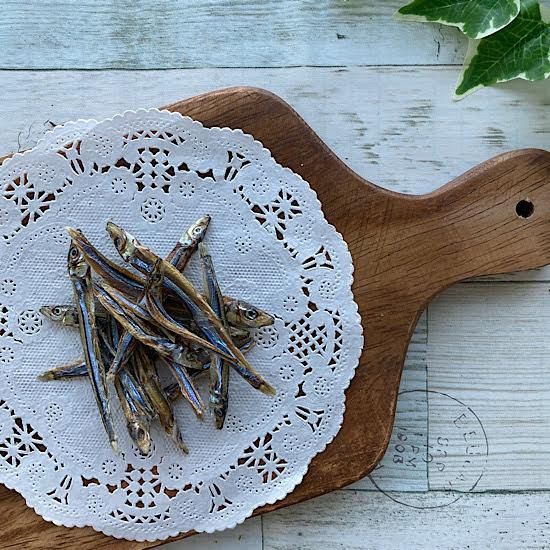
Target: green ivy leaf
(520, 50)
(475, 18)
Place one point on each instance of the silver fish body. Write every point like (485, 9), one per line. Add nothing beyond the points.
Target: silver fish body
(186, 386)
(219, 369)
(144, 259)
(137, 421)
(150, 383)
(80, 275)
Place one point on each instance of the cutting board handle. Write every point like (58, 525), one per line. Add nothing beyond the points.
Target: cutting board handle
(493, 219)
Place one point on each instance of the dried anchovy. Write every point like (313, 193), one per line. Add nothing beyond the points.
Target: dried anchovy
(143, 260)
(186, 386)
(126, 315)
(219, 369)
(137, 421)
(79, 272)
(149, 380)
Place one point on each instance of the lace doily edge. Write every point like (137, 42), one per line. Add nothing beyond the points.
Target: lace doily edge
(282, 492)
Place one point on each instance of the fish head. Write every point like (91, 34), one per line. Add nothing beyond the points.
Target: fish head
(85, 246)
(61, 313)
(76, 264)
(243, 314)
(195, 233)
(124, 242)
(140, 436)
(218, 406)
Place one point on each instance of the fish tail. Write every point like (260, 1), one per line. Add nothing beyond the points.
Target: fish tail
(178, 439)
(114, 444)
(267, 388)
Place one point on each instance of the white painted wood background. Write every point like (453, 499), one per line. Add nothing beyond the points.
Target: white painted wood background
(474, 414)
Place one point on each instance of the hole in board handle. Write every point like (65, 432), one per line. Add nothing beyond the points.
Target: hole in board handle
(525, 208)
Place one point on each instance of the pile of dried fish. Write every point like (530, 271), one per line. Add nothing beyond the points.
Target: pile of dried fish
(131, 322)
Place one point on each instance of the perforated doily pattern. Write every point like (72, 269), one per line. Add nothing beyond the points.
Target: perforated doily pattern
(155, 173)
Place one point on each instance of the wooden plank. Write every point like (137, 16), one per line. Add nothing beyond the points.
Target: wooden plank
(100, 34)
(247, 536)
(354, 520)
(403, 467)
(488, 347)
(398, 127)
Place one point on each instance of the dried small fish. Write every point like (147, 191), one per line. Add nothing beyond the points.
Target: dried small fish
(79, 272)
(242, 314)
(186, 385)
(138, 394)
(150, 382)
(65, 314)
(219, 369)
(70, 370)
(239, 314)
(186, 246)
(137, 422)
(143, 259)
(219, 379)
(78, 368)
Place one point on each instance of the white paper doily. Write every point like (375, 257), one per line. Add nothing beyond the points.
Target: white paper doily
(155, 173)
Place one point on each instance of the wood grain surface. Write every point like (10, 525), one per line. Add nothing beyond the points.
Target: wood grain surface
(136, 34)
(396, 125)
(405, 249)
(508, 521)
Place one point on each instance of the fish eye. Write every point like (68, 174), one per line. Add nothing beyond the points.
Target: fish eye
(74, 252)
(250, 314)
(117, 242)
(197, 230)
(56, 310)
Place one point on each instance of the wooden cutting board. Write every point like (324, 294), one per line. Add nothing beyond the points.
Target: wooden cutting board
(406, 249)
